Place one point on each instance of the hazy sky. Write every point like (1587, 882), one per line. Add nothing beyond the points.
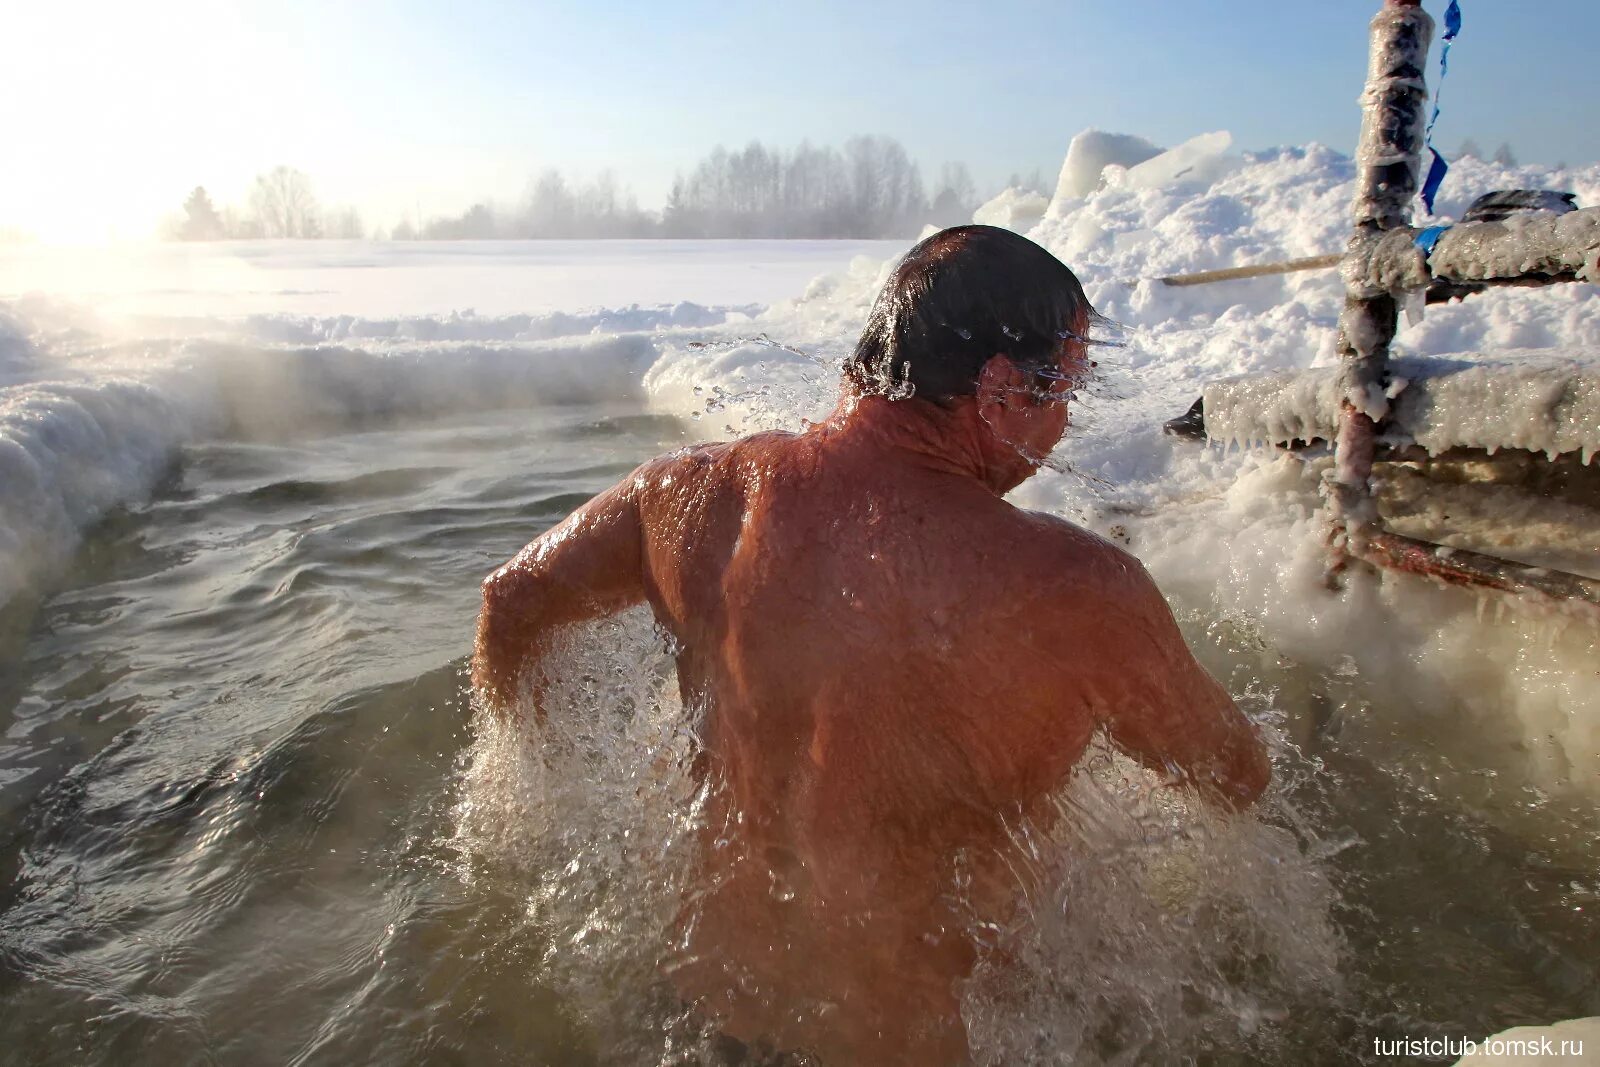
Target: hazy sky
(110, 113)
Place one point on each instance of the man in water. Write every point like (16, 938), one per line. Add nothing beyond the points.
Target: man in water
(896, 667)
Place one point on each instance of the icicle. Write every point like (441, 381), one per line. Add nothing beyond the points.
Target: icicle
(1413, 302)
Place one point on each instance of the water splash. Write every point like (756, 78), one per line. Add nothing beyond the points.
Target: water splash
(1146, 924)
(1153, 928)
(592, 820)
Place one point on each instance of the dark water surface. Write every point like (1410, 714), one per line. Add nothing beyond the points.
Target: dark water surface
(229, 747)
(233, 739)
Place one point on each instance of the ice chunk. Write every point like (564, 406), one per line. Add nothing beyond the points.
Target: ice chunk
(1201, 159)
(1014, 209)
(1089, 154)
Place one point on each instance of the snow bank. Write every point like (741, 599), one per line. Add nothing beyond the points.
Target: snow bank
(92, 414)
(69, 451)
(468, 326)
(256, 392)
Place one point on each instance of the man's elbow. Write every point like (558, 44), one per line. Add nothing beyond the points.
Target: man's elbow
(494, 659)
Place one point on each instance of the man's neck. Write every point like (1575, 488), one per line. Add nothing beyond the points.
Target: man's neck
(948, 438)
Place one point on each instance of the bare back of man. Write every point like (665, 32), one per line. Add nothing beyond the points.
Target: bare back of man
(894, 667)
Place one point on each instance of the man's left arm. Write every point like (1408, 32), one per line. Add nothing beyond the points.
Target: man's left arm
(1172, 715)
(588, 566)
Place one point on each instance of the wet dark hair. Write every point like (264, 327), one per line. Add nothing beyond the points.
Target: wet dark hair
(958, 298)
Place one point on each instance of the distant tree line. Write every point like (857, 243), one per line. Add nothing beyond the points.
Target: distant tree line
(281, 205)
(551, 208)
(869, 188)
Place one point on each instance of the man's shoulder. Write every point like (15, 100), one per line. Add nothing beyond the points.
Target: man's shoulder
(1059, 554)
(696, 465)
(679, 461)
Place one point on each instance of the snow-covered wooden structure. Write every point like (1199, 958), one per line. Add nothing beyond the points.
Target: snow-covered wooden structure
(1375, 408)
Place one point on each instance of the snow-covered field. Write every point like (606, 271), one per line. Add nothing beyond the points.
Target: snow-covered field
(416, 278)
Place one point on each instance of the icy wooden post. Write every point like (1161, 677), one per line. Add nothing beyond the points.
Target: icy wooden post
(1388, 158)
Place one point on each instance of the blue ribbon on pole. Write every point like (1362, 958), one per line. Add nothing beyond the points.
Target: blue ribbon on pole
(1428, 238)
(1438, 168)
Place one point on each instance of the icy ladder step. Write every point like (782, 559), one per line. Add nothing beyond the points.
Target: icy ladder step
(1542, 400)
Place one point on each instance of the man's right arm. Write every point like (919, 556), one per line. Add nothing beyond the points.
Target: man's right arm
(587, 566)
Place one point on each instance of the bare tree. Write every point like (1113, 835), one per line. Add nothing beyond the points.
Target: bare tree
(598, 206)
(201, 221)
(344, 224)
(872, 189)
(283, 204)
(477, 223)
(886, 196)
(550, 207)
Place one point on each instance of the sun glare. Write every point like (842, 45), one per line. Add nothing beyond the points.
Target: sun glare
(113, 112)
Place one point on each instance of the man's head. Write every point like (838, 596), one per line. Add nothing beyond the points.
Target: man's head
(957, 300)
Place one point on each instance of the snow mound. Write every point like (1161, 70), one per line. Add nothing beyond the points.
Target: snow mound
(92, 416)
(70, 451)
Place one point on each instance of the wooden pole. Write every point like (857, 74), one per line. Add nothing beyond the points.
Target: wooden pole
(1388, 160)
(1574, 593)
(1205, 277)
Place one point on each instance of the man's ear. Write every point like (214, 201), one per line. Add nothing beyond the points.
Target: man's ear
(999, 380)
